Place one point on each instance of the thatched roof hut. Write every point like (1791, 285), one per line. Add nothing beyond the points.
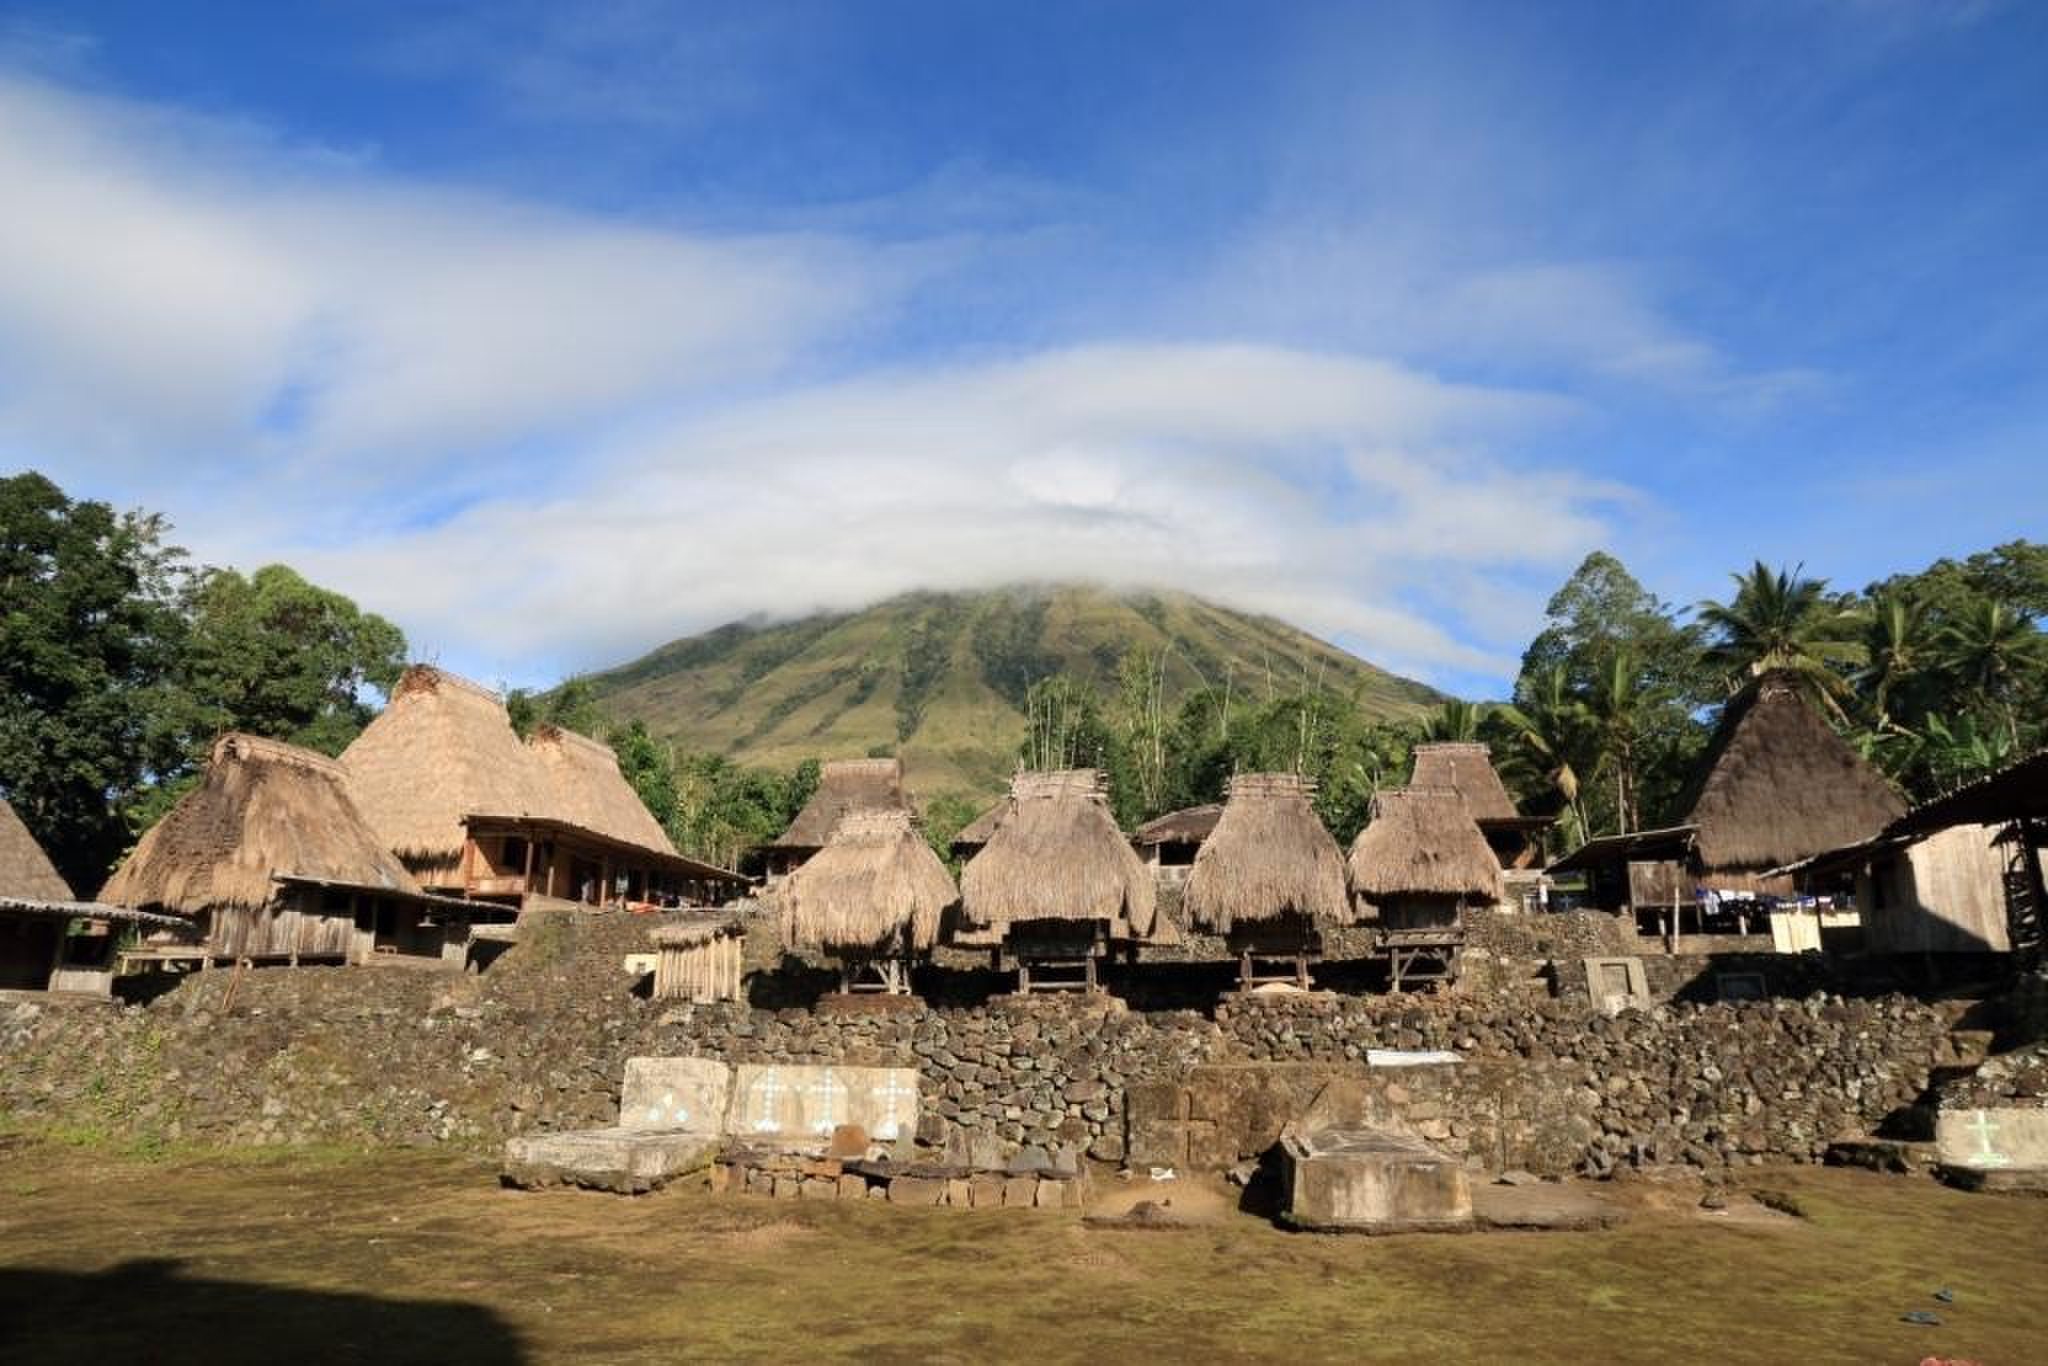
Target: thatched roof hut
(844, 785)
(1269, 858)
(264, 810)
(1465, 767)
(976, 832)
(25, 870)
(581, 785)
(1173, 839)
(1421, 842)
(1058, 855)
(876, 888)
(1780, 785)
(443, 749)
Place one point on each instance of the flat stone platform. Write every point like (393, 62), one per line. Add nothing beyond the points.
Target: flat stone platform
(1372, 1181)
(625, 1161)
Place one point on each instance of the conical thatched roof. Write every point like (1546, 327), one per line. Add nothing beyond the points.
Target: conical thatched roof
(443, 749)
(976, 832)
(1189, 825)
(1466, 767)
(1268, 857)
(1421, 841)
(265, 808)
(1780, 785)
(875, 887)
(845, 785)
(25, 870)
(582, 785)
(1058, 855)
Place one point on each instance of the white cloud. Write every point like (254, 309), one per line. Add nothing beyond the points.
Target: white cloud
(167, 281)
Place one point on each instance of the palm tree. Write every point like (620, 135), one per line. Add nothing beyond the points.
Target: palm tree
(1779, 620)
(1548, 736)
(1955, 754)
(1454, 720)
(1615, 706)
(1987, 648)
(1896, 646)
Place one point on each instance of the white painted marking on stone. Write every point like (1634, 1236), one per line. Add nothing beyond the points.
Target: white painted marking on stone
(1986, 1155)
(829, 1091)
(767, 1090)
(891, 1125)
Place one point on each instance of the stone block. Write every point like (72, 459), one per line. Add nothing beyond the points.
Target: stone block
(1050, 1194)
(674, 1093)
(788, 1186)
(1156, 1143)
(1617, 984)
(1373, 1182)
(1020, 1191)
(803, 1106)
(624, 1161)
(957, 1194)
(916, 1190)
(852, 1187)
(985, 1191)
(821, 1188)
(2004, 1139)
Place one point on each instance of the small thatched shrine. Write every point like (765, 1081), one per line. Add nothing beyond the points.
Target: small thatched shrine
(1777, 787)
(1173, 840)
(871, 898)
(1269, 878)
(269, 857)
(1058, 882)
(700, 958)
(844, 785)
(1466, 767)
(1417, 865)
(48, 940)
(443, 749)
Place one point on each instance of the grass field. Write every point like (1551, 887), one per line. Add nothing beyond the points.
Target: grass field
(307, 1257)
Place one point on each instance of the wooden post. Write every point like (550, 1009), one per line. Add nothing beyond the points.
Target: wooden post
(526, 873)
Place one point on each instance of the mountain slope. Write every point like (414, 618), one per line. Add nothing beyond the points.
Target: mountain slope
(939, 677)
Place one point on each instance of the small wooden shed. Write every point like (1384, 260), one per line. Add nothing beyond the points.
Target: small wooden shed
(699, 959)
(1415, 868)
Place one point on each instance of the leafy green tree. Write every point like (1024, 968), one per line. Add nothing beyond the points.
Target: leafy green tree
(275, 655)
(90, 643)
(1549, 736)
(1454, 720)
(1897, 647)
(945, 816)
(1994, 654)
(649, 767)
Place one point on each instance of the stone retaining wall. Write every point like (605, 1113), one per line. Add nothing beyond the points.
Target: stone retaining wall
(539, 1043)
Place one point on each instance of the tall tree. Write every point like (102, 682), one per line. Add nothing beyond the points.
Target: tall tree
(1993, 652)
(1780, 620)
(1896, 648)
(278, 656)
(90, 641)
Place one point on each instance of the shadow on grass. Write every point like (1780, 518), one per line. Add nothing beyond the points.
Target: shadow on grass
(147, 1311)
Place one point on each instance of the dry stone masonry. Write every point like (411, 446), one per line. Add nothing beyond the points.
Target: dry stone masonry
(539, 1045)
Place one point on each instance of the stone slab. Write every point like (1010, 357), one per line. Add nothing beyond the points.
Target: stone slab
(1617, 984)
(675, 1093)
(2004, 1139)
(800, 1106)
(626, 1161)
(1410, 1057)
(1372, 1181)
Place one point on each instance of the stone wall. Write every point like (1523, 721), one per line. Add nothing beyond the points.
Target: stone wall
(389, 1055)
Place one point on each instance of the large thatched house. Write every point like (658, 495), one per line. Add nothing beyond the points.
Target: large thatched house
(1173, 840)
(443, 749)
(1416, 867)
(1057, 882)
(844, 785)
(1268, 877)
(1466, 767)
(588, 838)
(871, 898)
(472, 811)
(48, 940)
(1778, 786)
(270, 859)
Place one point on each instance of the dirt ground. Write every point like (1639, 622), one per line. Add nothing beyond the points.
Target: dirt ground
(410, 1256)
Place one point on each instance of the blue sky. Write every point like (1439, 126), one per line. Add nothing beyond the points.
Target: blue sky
(553, 332)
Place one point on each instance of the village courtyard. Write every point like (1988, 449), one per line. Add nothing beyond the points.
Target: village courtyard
(393, 1256)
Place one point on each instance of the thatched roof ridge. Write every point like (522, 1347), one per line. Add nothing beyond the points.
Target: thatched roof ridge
(845, 785)
(1422, 841)
(1189, 825)
(1058, 855)
(1269, 857)
(443, 749)
(1779, 784)
(1466, 767)
(582, 786)
(264, 809)
(25, 870)
(875, 887)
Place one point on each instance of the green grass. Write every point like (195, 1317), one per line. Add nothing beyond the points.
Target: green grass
(422, 1257)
